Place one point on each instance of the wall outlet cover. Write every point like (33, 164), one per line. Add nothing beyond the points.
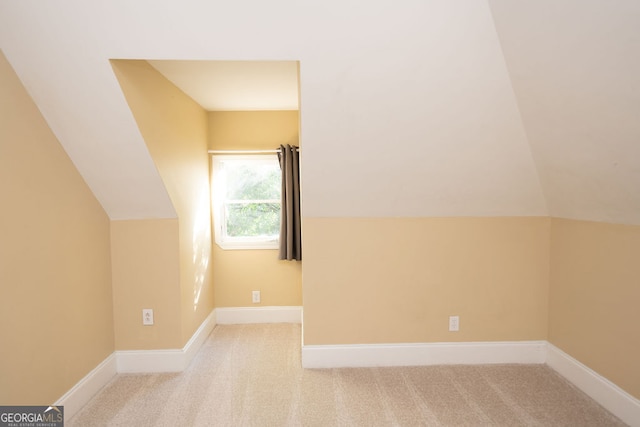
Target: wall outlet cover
(147, 316)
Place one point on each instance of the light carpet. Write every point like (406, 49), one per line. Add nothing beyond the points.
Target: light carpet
(251, 375)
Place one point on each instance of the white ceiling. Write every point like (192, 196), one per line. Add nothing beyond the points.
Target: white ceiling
(417, 108)
(235, 85)
(575, 70)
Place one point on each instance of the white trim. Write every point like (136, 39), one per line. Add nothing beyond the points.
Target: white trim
(192, 346)
(78, 396)
(465, 353)
(271, 314)
(220, 202)
(243, 244)
(172, 360)
(600, 389)
(139, 361)
(241, 152)
(603, 391)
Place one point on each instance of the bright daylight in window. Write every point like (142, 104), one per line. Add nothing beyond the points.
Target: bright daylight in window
(246, 201)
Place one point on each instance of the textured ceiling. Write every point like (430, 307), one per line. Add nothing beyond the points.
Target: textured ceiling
(420, 108)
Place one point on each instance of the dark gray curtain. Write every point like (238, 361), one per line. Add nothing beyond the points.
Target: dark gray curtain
(290, 234)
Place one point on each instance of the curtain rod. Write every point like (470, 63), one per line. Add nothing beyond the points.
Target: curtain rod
(246, 151)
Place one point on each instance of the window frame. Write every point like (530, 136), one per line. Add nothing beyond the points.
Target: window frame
(219, 203)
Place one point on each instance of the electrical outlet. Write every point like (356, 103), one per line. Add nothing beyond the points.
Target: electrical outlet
(147, 316)
(454, 323)
(255, 297)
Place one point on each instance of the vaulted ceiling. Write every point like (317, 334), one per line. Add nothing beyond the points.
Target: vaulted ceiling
(417, 108)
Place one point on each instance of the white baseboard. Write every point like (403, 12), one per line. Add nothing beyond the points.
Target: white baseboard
(613, 398)
(473, 353)
(172, 360)
(141, 361)
(603, 391)
(74, 399)
(244, 315)
(192, 346)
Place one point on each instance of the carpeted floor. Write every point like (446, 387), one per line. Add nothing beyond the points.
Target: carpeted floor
(250, 375)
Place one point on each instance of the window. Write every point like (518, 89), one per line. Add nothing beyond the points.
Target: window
(246, 201)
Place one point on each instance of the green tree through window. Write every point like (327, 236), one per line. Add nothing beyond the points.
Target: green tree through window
(253, 200)
(247, 195)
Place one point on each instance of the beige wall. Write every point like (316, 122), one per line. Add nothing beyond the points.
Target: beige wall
(56, 320)
(395, 280)
(146, 274)
(594, 296)
(174, 128)
(238, 272)
(252, 130)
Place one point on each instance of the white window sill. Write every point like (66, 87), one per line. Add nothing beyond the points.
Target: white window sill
(271, 245)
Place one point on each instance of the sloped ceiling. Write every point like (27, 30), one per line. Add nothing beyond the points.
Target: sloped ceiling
(407, 108)
(575, 69)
